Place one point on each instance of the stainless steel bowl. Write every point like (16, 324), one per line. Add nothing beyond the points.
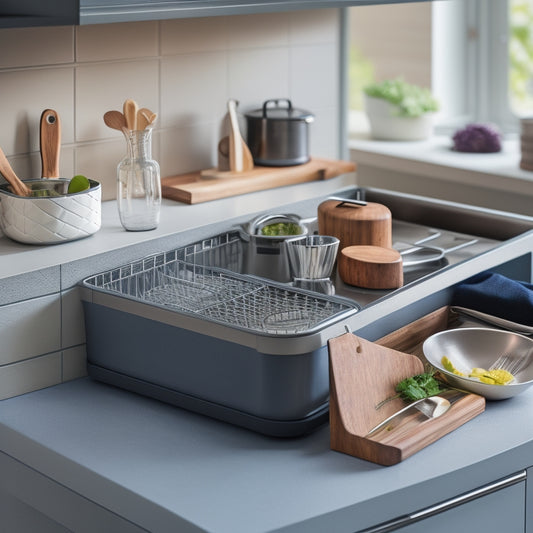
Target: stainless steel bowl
(469, 348)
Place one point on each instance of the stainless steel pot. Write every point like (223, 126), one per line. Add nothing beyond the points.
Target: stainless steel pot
(266, 255)
(278, 135)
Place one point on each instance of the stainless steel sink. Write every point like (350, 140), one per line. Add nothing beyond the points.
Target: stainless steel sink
(462, 233)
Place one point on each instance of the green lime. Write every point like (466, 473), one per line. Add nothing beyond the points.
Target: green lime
(77, 184)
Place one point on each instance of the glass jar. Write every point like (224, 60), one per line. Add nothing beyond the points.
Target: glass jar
(139, 183)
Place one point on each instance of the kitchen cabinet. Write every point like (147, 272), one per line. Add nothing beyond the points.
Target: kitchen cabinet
(22, 13)
(497, 507)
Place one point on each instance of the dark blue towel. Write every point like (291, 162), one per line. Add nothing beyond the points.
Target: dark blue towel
(497, 295)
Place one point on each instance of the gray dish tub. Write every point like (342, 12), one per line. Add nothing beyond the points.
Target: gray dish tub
(239, 348)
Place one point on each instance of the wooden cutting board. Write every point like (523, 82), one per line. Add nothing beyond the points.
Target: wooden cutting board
(203, 186)
(363, 374)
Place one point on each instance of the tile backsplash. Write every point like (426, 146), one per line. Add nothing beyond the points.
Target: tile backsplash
(185, 70)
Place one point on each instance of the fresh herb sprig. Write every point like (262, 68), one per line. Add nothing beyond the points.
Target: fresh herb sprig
(415, 388)
(418, 387)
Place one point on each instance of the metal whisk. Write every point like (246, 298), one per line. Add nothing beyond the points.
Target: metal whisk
(510, 363)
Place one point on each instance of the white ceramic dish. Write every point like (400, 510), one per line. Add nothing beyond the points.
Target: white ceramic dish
(469, 348)
(50, 220)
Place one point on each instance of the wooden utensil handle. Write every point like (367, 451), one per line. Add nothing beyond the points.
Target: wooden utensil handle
(19, 188)
(50, 139)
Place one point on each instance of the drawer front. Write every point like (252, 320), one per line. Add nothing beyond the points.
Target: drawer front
(497, 507)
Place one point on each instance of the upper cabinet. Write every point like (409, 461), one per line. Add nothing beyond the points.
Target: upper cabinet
(20, 13)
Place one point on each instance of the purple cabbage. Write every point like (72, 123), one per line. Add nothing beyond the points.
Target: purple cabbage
(477, 138)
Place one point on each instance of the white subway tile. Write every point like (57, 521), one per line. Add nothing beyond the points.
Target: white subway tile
(188, 149)
(25, 95)
(99, 161)
(314, 76)
(193, 88)
(30, 375)
(258, 31)
(324, 133)
(72, 318)
(30, 328)
(97, 42)
(257, 75)
(29, 166)
(316, 26)
(102, 87)
(74, 363)
(25, 47)
(183, 36)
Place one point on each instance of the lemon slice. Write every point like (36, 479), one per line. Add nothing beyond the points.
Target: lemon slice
(78, 183)
(448, 365)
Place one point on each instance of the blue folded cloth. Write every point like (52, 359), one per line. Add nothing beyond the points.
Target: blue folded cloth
(497, 295)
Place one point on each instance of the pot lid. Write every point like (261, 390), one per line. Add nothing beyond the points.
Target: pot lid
(280, 109)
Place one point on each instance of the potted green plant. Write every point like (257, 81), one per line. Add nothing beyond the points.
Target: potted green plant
(399, 111)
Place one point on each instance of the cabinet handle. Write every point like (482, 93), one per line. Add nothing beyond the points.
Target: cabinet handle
(402, 521)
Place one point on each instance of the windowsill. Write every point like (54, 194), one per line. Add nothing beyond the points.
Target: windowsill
(434, 159)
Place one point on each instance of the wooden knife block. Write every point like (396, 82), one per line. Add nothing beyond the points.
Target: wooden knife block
(363, 374)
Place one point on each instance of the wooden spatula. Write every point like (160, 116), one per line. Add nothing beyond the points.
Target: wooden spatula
(240, 158)
(50, 141)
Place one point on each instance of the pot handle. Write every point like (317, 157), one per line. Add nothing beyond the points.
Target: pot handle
(276, 100)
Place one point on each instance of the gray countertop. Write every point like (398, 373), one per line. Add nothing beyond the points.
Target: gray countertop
(167, 469)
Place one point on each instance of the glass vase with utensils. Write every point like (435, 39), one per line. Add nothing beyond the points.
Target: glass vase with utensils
(138, 175)
(311, 260)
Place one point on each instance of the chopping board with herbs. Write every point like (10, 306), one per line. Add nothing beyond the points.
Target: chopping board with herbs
(203, 186)
(369, 383)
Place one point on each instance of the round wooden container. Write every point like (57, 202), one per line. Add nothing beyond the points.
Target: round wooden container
(371, 267)
(356, 225)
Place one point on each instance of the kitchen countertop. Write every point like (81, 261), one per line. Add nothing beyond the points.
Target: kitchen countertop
(176, 218)
(166, 469)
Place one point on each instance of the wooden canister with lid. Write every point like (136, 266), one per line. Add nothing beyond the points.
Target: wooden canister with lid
(353, 224)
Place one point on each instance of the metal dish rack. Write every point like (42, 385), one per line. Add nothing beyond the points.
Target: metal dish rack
(238, 301)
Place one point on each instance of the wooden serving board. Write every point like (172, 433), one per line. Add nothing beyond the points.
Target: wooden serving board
(363, 374)
(212, 184)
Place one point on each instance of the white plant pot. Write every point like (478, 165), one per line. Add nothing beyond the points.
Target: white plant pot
(386, 125)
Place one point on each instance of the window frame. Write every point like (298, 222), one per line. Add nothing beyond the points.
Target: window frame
(470, 65)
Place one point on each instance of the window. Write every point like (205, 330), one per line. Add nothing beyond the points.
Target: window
(476, 56)
(521, 56)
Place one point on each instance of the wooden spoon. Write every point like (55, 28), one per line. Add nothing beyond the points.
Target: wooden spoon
(115, 120)
(145, 117)
(19, 188)
(130, 112)
(240, 158)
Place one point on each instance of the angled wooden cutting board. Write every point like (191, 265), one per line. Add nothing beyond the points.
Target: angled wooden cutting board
(203, 186)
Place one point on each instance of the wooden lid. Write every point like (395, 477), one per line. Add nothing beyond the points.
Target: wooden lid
(371, 267)
(348, 212)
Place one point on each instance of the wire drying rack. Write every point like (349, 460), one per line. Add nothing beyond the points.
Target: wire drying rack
(235, 300)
